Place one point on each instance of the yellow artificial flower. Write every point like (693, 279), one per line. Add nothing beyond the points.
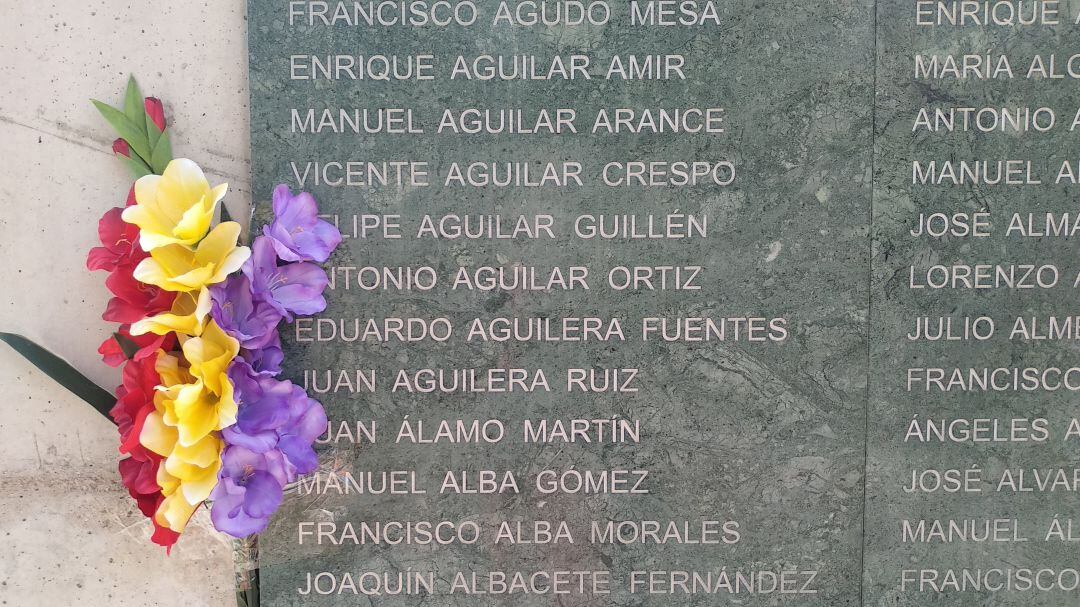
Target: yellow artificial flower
(169, 370)
(185, 463)
(209, 356)
(197, 467)
(176, 267)
(176, 509)
(199, 400)
(175, 207)
(174, 380)
(174, 513)
(189, 473)
(169, 484)
(197, 411)
(187, 317)
(167, 396)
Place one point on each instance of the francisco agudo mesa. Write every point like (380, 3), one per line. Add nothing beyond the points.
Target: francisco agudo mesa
(524, 13)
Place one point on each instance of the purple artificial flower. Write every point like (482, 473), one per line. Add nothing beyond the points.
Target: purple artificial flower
(293, 288)
(263, 406)
(307, 422)
(275, 415)
(297, 233)
(250, 319)
(267, 359)
(249, 491)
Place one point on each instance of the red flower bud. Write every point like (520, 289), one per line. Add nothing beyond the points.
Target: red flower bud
(120, 148)
(155, 111)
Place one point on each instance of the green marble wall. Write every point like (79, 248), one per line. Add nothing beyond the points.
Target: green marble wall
(769, 435)
(898, 204)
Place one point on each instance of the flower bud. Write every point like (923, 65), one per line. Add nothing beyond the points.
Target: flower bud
(120, 148)
(155, 111)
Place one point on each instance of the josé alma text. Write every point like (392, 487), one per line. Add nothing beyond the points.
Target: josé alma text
(979, 224)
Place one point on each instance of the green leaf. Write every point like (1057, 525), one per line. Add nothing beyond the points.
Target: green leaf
(134, 108)
(152, 133)
(137, 166)
(162, 153)
(136, 138)
(225, 216)
(128, 347)
(62, 373)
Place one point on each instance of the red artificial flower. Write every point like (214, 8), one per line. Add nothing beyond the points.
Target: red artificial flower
(134, 300)
(113, 354)
(134, 401)
(121, 148)
(163, 536)
(155, 111)
(139, 476)
(120, 253)
(120, 242)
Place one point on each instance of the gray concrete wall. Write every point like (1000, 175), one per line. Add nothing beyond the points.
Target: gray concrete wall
(71, 535)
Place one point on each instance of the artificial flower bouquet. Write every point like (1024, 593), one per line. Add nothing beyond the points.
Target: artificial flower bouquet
(202, 415)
